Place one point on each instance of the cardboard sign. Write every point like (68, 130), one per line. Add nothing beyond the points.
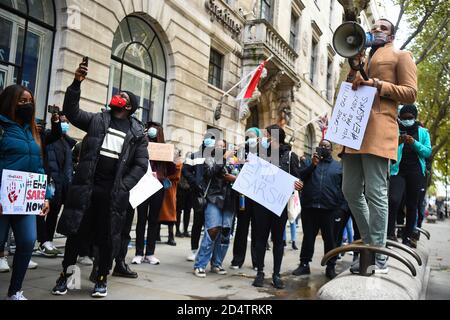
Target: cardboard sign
(161, 151)
(350, 115)
(145, 188)
(22, 192)
(265, 183)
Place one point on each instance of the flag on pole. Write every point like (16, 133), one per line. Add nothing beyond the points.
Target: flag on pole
(323, 124)
(249, 88)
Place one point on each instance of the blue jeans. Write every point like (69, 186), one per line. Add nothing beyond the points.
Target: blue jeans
(348, 231)
(214, 249)
(293, 227)
(24, 229)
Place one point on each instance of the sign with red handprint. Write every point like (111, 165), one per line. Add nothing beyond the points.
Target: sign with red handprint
(22, 192)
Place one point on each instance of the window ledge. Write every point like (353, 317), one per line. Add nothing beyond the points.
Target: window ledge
(211, 86)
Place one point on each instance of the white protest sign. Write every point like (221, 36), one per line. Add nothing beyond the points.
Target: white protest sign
(265, 183)
(145, 188)
(22, 192)
(350, 115)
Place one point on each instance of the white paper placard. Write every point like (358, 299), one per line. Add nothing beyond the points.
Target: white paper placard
(145, 188)
(265, 183)
(22, 193)
(350, 115)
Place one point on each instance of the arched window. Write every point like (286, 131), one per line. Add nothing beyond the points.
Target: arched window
(27, 31)
(309, 141)
(138, 64)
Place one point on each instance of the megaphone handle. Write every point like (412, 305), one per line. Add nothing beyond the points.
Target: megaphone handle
(363, 73)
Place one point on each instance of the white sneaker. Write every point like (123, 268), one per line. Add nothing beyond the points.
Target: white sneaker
(32, 265)
(137, 260)
(191, 257)
(85, 261)
(234, 267)
(199, 272)
(17, 296)
(4, 267)
(151, 259)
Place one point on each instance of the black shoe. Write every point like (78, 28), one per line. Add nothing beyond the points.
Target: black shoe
(186, 234)
(178, 234)
(61, 285)
(171, 242)
(302, 269)
(415, 235)
(392, 238)
(410, 243)
(259, 280)
(284, 243)
(294, 247)
(277, 282)
(123, 270)
(100, 289)
(330, 272)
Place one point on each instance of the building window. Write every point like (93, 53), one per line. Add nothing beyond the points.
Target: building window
(330, 80)
(267, 10)
(313, 62)
(26, 47)
(309, 142)
(215, 69)
(294, 31)
(139, 65)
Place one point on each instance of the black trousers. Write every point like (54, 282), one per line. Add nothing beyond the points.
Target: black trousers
(199, 220)
(344, 216)
(244, 219)
(46, 226)
(94, 225)
(125, 237)
(148, 213)
(184, 205)
(313, 220)
(266, 222)
(408, 184)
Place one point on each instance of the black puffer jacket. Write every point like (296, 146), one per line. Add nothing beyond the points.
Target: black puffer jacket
(132, 165)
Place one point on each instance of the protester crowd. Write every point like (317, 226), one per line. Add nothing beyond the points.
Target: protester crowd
(89, 185)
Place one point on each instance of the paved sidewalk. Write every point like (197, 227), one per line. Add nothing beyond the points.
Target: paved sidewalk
(173, 278)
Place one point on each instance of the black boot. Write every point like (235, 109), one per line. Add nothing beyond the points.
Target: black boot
(123, 270)
(259, 280)
(330, 272)
(302, 269)
(294, 247)
(277, 282)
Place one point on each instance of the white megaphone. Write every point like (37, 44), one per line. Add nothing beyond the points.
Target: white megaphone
(349, 40)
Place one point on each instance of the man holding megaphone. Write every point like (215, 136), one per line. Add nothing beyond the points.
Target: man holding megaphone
(366, 171)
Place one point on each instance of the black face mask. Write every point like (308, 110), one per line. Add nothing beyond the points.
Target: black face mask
(323, 152)
(25, 112)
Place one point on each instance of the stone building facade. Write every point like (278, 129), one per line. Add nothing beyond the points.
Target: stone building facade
(180, 57)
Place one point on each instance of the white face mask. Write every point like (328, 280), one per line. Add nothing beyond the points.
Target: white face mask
(152, 132)
(379, 38)
(408, 123)
(252, 142)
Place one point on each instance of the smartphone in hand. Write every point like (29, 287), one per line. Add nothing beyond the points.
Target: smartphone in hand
(53, 109)
(85, 61)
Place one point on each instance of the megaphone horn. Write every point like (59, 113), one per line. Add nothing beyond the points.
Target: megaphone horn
(349, 39)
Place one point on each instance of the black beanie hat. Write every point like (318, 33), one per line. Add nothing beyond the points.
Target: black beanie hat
(409, 108)
(133, 101)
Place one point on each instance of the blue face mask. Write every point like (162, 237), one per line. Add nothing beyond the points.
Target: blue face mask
(209, 142)
(252, 142)
(65, 127)
(265, 143)
(152, 132)
(408, 123)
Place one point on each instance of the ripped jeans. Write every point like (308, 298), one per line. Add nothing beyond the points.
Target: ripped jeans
(216, 238)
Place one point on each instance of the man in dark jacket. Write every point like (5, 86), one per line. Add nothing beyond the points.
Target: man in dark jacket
(113, 160)
(320, 198)
(59, 164)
